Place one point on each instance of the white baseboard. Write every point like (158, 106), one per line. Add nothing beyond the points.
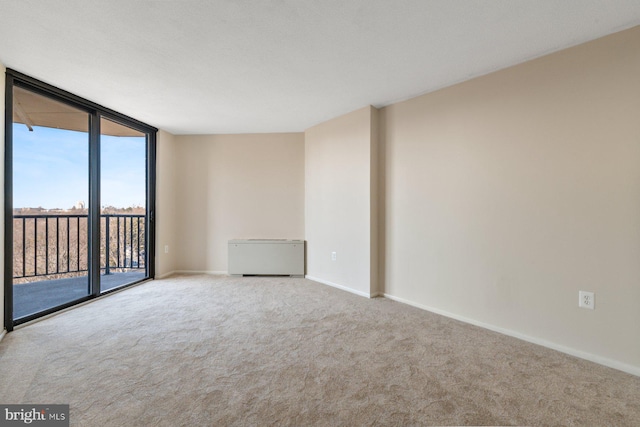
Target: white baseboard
(630, 369)
(165, 275)
(341, 287)
(2, 334)
(218, 273)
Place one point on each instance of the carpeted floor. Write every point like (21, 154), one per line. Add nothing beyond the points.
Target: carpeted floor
(215, 351)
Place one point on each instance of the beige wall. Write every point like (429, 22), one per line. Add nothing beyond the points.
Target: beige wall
(166, 204)
(339, 195)
(235, 186)
(508, 194)
(2, 83)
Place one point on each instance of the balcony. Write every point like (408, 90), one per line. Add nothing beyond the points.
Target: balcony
(50, 265)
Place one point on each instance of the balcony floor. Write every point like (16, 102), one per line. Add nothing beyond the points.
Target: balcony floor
(34, 297)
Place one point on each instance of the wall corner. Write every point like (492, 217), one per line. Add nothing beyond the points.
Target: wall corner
(374, 189)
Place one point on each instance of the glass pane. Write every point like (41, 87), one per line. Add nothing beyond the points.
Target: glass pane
(123, 205)
(50, 195)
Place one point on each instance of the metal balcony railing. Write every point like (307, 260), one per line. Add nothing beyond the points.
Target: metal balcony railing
(47, 245)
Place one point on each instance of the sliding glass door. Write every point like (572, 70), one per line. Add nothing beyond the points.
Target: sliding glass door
(79, 199)
(50, 194)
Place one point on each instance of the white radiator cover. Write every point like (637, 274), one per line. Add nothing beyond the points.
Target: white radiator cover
(266, 256)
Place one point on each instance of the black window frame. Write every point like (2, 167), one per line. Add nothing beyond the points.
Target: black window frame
(95, 112)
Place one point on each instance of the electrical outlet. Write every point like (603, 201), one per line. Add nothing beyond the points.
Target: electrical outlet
(333, 256)
(166, 249)
(587, 300)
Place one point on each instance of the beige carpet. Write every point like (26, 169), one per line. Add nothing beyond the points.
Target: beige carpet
(207, 350)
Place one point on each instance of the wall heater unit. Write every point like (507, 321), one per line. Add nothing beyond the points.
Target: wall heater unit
(266, 257)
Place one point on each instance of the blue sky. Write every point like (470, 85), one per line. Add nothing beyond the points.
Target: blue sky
(50, 169)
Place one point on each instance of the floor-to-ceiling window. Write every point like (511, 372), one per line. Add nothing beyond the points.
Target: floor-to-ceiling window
(79, 200)
(123, 207)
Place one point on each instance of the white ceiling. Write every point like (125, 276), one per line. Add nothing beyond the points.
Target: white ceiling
(241, 66)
